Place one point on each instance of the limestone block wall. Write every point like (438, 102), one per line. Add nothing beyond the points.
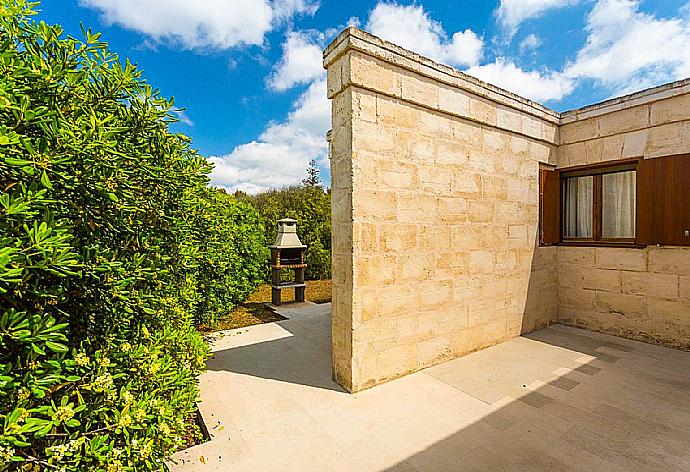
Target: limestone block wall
(639, 293)
(435, 212)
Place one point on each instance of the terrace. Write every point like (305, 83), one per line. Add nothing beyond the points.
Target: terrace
(558, 399)
(513, 282)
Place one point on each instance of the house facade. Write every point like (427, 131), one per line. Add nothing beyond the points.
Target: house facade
(465, 215)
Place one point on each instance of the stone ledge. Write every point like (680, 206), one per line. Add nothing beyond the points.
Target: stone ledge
(643, 97)
(356, 39)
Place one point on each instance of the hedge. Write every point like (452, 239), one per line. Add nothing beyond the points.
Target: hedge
(102, 269)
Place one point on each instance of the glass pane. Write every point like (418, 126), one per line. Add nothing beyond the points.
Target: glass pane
(618, 206)
(578, 206)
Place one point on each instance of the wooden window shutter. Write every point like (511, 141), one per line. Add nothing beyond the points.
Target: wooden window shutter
(645, 232)
(549, 207)
(664, 201)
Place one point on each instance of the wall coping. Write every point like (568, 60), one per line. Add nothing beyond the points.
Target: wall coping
(357, 39)
(353, 38)
(642, 97)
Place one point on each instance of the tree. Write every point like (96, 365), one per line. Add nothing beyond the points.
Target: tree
(312, 179)
(102, 260)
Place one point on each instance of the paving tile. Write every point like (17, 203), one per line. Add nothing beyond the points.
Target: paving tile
(588, 369)
(565, 383)
(536, 399)
(558, 399)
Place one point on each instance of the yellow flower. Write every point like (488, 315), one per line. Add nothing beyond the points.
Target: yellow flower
(33, 365)
(154, 367)
(23, 393)
(104, 361)
(81, 359)
(125, 420)
(125, 347)
(115, 466)
(127, 397)
(164, 428)
(63, 413)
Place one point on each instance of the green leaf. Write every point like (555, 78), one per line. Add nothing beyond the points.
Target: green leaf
(45, 181)
(56, 347)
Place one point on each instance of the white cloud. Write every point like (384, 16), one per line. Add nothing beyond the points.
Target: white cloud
(216, 24)
(182, 117)
(412, 28)
(301, 61)
(280, 155)
(627, 49)
(511, 13)
(529, 43)
(535, 85)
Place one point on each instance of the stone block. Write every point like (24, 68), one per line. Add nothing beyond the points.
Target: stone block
(397, 175)
(518, 189)
(436, 179)
(481, 262)
(666, 139)
(494, 187)
(396, 113)
(453, 100)
(612, 148)
(671, 311)
(589, 278)
(579, 131)
(375, 205)
(576, 298)
(396, 237)
(630, 119)
(450, 152)
(667, 111)
(670, 260)
(374, 74)
(416, 208)
(631, 306)
(650, 284)
(467, 133)
(452, 210)
(509, 119)
(483, 110)
(583, 256)
(418, 89)
(572, 154)
(433, 237)
(480, 211)
(364, 105)
(635, 143)
(685, 288)
(621, 258)
(463, 237)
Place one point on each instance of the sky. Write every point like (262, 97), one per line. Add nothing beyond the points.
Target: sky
(248, 76)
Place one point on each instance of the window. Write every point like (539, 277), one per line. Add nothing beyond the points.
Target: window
(600, 206)
(633, 202)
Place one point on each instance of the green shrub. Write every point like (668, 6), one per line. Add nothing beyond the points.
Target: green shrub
(100, 267)
(232, 241)
(311, 207)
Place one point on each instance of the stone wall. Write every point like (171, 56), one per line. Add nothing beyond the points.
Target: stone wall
(435, 212)
(641, 294)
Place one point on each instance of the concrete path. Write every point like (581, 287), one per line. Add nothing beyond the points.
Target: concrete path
(558, 399)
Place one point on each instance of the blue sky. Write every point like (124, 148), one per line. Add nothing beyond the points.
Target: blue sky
(248, 72)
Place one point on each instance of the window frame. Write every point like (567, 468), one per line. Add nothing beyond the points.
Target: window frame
(597, 171)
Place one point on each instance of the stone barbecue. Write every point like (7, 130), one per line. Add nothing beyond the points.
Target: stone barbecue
(287, 253)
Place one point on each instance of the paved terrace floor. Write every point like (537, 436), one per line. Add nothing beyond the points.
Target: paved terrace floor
(557, 399)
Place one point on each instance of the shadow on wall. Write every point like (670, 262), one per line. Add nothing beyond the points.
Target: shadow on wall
(541, 303)
(596, 417)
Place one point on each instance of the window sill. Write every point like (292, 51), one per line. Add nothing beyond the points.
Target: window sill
(624, 244)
